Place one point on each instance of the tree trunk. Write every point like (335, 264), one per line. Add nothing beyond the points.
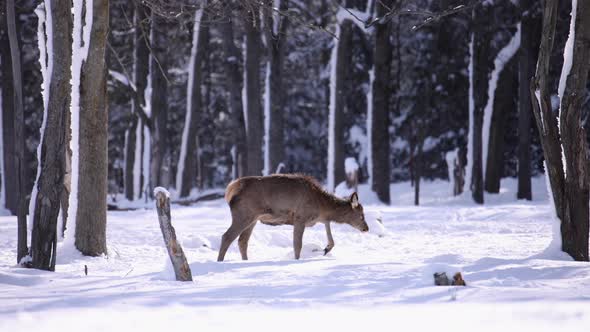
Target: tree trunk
(46, 203)
(480, 83)
(569, 182)
(276, 28)
(93, 139)
(188, 159)
(253, 107)
(134, 135)
(527, 57)
(177, 257)
(19, 127)
(234, 87)
(574, 225)
(381, 96)
(418, 171)
(504, 103)
(9, 178)
(159, 100)
(342, 61)
(130, 148)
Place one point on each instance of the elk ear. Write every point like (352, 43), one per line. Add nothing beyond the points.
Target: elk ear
(354, 200)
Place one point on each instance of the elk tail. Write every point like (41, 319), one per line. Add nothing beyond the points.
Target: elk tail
(232, 190)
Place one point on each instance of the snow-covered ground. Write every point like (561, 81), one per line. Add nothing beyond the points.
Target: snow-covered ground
(382, 279)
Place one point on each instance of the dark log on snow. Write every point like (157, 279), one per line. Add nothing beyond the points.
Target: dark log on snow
(181, 268)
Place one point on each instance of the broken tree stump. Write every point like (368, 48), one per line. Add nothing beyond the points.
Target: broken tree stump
(179, 262)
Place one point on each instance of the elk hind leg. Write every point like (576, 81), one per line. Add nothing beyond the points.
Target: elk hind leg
(330, 239)
(243, 240)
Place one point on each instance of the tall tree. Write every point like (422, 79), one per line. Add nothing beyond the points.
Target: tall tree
(234, 83)
(89, 127)
(8, 176)
(252, 103)
(274, 103)
(382, 90)
(505, 102)
(45, 199)
(479, 48)
(527, 57)
(340, 62)
(15, 135)
(159, 96)
(188, 158)
(564, 138)
(134, 176)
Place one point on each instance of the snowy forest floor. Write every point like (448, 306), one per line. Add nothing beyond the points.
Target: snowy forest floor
(382, 279)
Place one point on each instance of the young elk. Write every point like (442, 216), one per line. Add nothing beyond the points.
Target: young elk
(285, 199)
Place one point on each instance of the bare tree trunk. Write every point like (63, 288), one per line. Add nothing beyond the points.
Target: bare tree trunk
(480, 82)
(93, 162)
(526, 70)
(575, 225)
(343, 59)
(53, 142)
(276, 39)
(381, 96)
(159, 100)
(418, 171)
(130, 147)
(19, 126)
(504, 103)
(234, 87)
(188, 161)
(141, 60)
(254, 127)
(9, 177)
(569, 182)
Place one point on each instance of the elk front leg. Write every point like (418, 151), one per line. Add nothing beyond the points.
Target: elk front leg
(330, 239)
(298, 229)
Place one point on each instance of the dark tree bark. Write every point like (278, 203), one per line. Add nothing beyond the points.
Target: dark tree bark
(418, 172)
(7, 90)
(141, 71)
(190, 165)
(381, 94)
(527, 58)
(504, 103)
(19, 127)
(159, 100)
(130, 148)
(480, 84)
(93, 161)
(574, 226)
(569, 182)
(53, 143)
(234, 83)
(254, 125)
(277, 41)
